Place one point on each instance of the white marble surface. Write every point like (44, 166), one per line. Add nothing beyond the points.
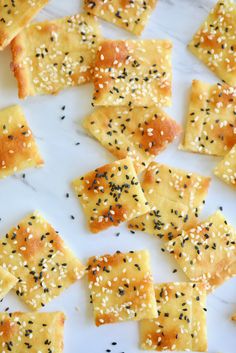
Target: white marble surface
(45, 189)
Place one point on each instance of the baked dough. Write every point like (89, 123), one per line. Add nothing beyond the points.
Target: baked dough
(211, 120)
(138, 133)
(32, 332)
(234, 317)
(121, 287)
(110, 195)
(18, 149)
(133, 73)
(130, 15)
(15, 15)
(176, 198)
(59, 54)
(7, 282)
(35, 254)
(215, 42)
(181, 322)
(226, 169)
(207, 253)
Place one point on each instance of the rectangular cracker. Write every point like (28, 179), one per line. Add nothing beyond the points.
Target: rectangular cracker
(18, 149)
(181, 322)
(35, 254)
(211, 119)
(133, 73)
(130, 15)
(226, 169)
(32, 332)
(15, 15)
(60, 54)
(207, 253)
(215, 43)
(7, 282)
(176, 198)
(138, 133)
(110, 195)
(121, 287)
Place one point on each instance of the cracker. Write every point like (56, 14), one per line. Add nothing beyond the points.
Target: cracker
(181, 322)
(133, 72)
(233, 317)
(207, 253)
(132, 16)
(18, 149)
(176, 198)
(35, 254)
(110, 195)
(138, 133)
(32, 332)
(15, 15)
(226, 169)
(211, 120)
(7, 282)
(121, 287)
(60, 54)
(215, 43)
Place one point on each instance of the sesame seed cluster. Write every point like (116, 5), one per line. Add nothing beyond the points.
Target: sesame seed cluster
(15, 15)
(131, 15)
(226, 169)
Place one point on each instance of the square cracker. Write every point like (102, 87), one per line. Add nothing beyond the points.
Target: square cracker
(7, 282)
(138, 133)
(110, 195)
(133, 72)
(35, 254)
(226, 169)
(32, 332)
(215, 42)
(15, 15)
(211, 120)
(59, 54)
(18, 149)
(207, 253)
(181, 322)
(121, 287)
(131, 16)
(176, 198)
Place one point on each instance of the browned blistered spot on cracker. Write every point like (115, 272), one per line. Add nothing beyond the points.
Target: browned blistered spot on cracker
(7, 330)
(167, 340)
(162, 133)
(226, 134)
(109, 219)
(111, 54)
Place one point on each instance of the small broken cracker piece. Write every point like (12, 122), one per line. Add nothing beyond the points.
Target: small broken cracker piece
(15, 15)
(207, 253)
(226, 169)
(176, 198)
(7, 282)
(18, 149)
(110, 195)
(32, 332)
(121, 287)
(215, 42)
(61, 54)
(130, 15)
(211, 120)
(35, 254)
(133, 73)
(181, 321)
(138, 133)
